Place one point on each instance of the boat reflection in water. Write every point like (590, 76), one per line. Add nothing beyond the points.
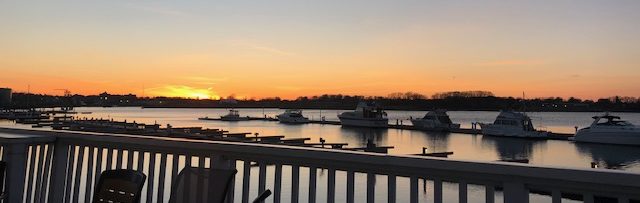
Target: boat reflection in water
(611, 156)
(362, 135)
(512, 149)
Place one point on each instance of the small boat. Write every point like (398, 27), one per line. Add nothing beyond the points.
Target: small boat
(292, 116)
(437, 120)
(512, 124)
(609, 129)
(233, 115)
(367, 114)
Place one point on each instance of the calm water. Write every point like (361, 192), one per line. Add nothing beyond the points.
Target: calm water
(464, 146)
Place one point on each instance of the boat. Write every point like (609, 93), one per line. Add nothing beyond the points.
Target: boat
(233, 115)
(609, 129)
(292, 116)
(367, 114)
(437, 120)
(512, 124)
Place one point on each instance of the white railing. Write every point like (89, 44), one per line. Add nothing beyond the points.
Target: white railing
(80, 157)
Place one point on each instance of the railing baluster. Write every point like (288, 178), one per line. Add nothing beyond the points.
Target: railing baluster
(174, 167)
(350, 187)
(232, 190)
(556, 196)
(246, 178)
(89, 183)
(295, 183)
(119, 158)
(199, 185)
(61, 159)
(109, 159)
(437, 190)
(277, 184)
(130, 159)
(161, 177)
(150, 178)
(78, 176)
(462, 192)
(30, 175)
(413, 185)
(140, 161)
(391, 188)
(489, 191)
(72, 158)
(515, 192)
(98, 170)
(262, 177)
(42, 194)
(313, 171)
(331, 186)
(39, 172)
(371, 187)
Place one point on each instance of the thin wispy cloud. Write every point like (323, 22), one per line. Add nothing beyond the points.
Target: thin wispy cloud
(158, 10)
(204, 80)
(260, 47)
(497, 63)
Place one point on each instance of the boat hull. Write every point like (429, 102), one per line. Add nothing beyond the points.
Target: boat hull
(224, 118)
(293, 120)
(423, 124)
(620, 138)
(510, 131)
(364, 122)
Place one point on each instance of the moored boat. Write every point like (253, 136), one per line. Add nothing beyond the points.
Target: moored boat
(609, 129)
(512, 124)
(437, 120)
(292, 116)
(367, 114)
(233, 115)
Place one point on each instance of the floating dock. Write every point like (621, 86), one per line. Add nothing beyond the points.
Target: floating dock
(552, 135)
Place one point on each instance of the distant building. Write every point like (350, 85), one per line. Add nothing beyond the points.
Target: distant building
(5, 97)
(107, 99)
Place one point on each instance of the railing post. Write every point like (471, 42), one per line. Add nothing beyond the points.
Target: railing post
(16, 171)
(515, 192)
(58, 171)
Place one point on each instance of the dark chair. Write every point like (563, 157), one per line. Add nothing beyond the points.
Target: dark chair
(202, 185)
(3, 169)
(120, 185)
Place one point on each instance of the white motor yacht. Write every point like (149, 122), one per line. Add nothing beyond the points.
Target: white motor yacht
(292, 116)
(367, 114)
(233, 115)
(437, 120)
(609, 129)
(512, 124)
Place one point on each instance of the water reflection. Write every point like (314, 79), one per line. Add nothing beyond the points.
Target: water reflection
(512, 148)
(610, 156)
(362, 135)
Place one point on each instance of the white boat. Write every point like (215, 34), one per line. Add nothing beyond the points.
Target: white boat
(292, 116)
(367, 114)
(609, 129)
(437, 120)
(233, 115)
(512, 124)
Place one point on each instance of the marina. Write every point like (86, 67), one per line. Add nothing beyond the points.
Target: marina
(465, 145)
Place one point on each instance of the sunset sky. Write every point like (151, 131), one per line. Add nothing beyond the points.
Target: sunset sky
(587, 49)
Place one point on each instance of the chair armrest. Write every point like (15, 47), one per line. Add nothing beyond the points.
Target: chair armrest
(262, 196)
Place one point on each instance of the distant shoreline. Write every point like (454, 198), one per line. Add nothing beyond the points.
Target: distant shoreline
(344, 109)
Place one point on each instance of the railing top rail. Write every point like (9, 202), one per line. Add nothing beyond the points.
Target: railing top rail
(401, 165)
(22, 138)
